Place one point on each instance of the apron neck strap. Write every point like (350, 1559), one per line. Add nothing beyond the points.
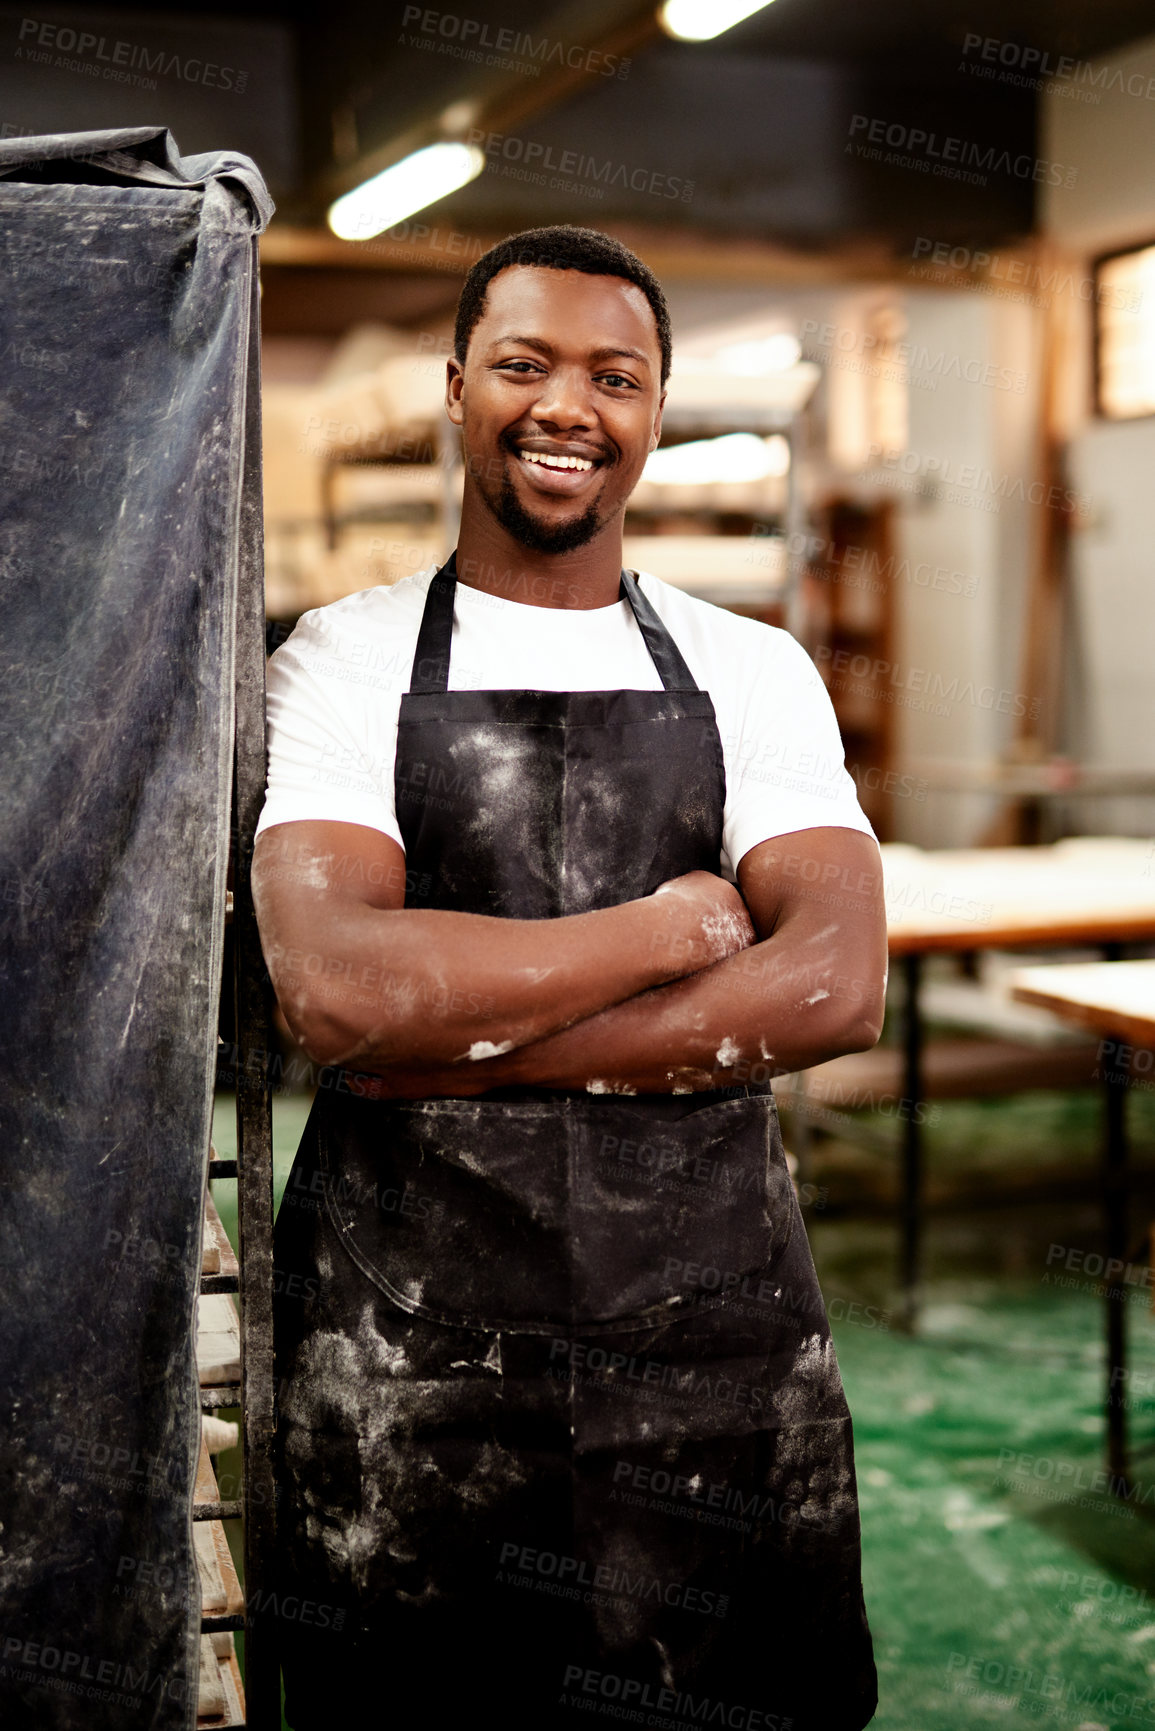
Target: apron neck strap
(666, 655)
(431, 656)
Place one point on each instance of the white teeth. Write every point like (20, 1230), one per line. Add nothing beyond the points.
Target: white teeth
(551, 462)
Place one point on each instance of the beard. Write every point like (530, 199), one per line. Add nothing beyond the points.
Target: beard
(536, 534)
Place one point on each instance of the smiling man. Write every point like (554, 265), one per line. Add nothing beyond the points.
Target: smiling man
(558, 866)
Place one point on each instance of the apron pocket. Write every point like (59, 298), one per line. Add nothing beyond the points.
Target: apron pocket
(579, 1213)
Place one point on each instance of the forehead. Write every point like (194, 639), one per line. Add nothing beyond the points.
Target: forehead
(569, 309)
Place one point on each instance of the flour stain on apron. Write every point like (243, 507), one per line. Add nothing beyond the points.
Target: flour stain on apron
(516, 1314)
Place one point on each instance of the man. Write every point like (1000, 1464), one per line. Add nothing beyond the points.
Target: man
(560, 1424)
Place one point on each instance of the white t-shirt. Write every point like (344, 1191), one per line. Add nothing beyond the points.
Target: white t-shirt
(335, 688)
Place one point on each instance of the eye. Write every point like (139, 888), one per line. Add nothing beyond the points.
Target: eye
(516, 366)
(617, 380)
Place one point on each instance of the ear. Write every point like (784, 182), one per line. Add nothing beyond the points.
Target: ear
(656, 429)
(454, 387)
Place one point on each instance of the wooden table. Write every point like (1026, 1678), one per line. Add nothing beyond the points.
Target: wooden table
(1117, 1001)
(1097, 891)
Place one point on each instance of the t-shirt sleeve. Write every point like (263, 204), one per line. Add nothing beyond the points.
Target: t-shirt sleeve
(330, 755)
(786, 769)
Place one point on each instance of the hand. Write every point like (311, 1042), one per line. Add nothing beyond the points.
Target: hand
(710, 919)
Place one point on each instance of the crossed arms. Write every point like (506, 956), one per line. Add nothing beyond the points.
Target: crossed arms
(694, 987)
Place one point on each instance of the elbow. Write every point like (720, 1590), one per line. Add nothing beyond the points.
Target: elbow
(322, 1035)
(320, 1043)
(853, 1024)
(862, 1025)
(340, 1030)
(857, 1034)
(328, 1013)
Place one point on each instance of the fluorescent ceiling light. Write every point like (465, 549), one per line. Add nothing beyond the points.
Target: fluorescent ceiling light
(733, 457)
(408, 186)
(699, 20)
(758, 360)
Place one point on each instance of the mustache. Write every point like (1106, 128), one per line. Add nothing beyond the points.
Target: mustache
(607, 454)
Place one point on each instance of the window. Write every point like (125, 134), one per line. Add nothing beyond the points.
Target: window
(1125, 334)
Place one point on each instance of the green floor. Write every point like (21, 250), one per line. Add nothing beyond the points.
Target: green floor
(1004, 1583)
(999, 1583)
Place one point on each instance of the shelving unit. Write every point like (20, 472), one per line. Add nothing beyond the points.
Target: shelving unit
(385, 517)
(848, 590)
(366, 481)
(233, 1354)
(235, 1345)
(220, 1694)
(729, 542)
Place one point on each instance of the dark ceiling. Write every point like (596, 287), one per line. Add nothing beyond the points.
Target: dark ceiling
(816, 125)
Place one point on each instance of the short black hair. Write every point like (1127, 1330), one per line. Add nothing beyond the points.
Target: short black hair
(561, 247)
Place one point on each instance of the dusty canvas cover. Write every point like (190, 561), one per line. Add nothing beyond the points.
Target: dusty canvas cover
(126, 279)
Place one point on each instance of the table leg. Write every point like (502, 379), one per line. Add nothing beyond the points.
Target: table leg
(910, 1267)
(1115, 1232)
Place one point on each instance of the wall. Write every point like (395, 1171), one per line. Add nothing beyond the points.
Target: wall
(1111, 142)
(964, 529)
(963, 540)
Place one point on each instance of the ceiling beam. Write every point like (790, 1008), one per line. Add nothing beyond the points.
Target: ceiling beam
(675, 255)
(506, 102)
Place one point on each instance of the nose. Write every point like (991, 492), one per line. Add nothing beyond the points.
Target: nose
(566, 400)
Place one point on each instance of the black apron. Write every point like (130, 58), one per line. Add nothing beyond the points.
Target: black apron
(560, 1426)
